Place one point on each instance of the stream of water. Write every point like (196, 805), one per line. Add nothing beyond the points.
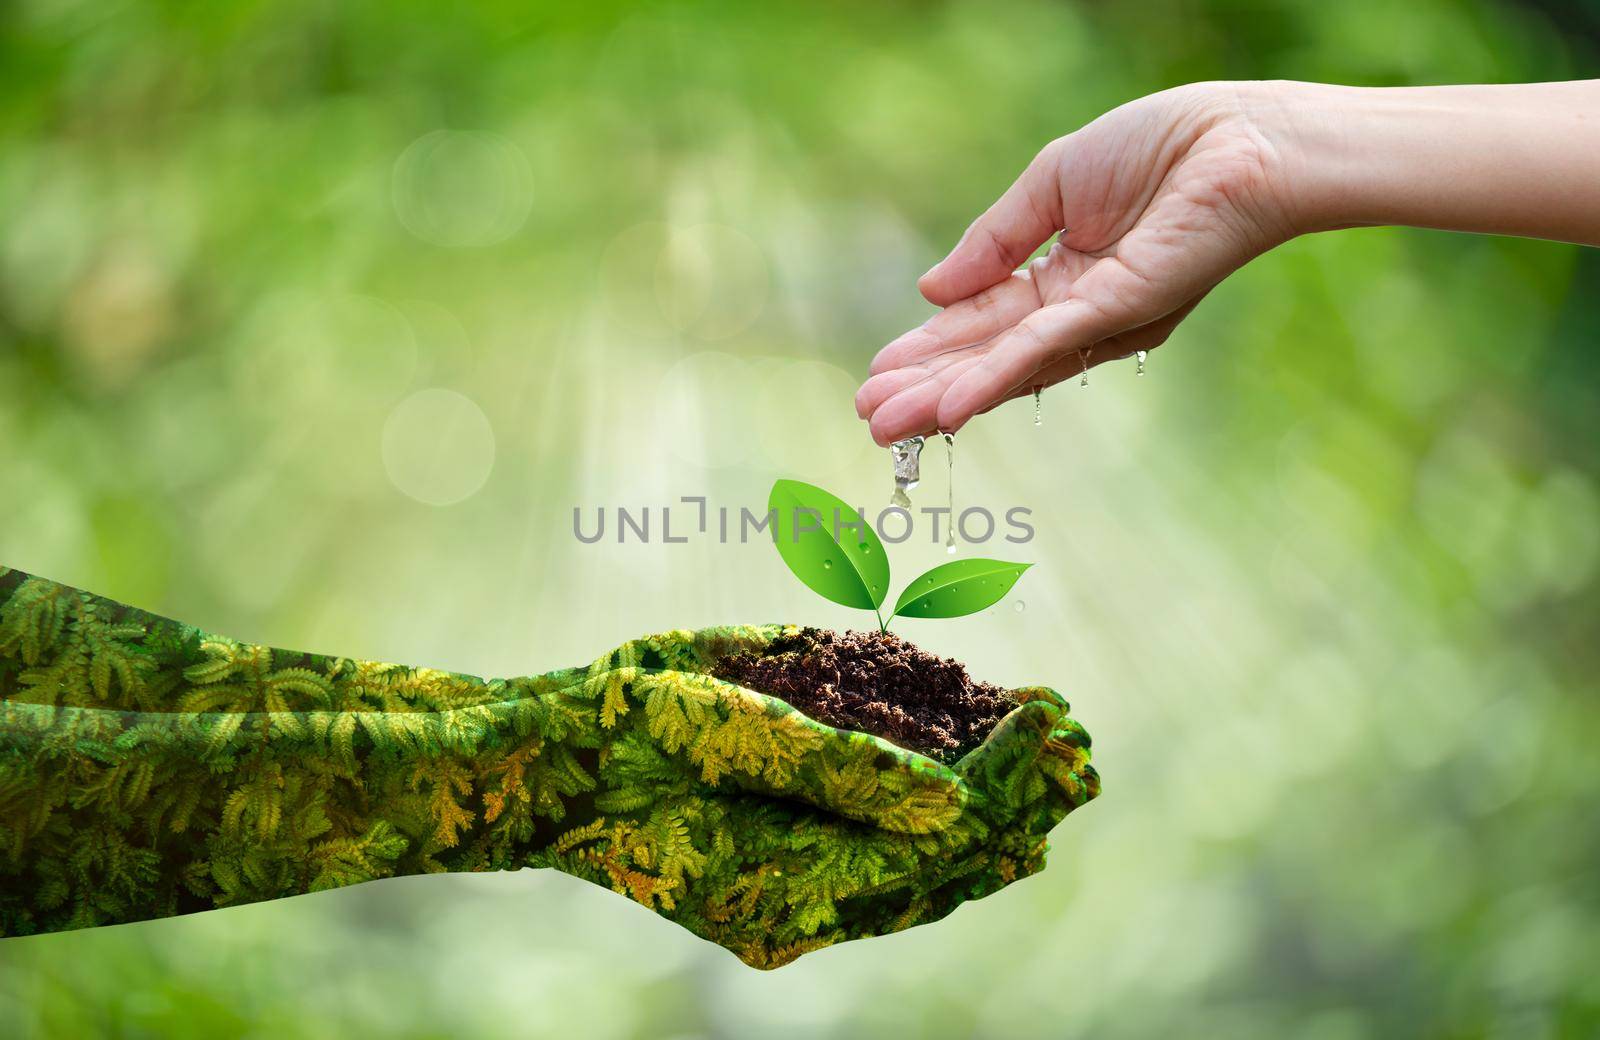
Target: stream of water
(950, 491)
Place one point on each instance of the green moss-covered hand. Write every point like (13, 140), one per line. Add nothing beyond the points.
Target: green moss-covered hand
(149, 769)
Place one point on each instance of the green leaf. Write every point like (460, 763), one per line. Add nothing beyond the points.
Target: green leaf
(960, 587)
(852, 570)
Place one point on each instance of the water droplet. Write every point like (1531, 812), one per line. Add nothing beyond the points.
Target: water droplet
(1038, 411)
(864, 547)
(927, 604)
(907, 455)
(1141, 355)
(1019, 606)
(1083, 360)
(827, 565)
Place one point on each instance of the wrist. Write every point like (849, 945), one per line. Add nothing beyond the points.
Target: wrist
(1323, 175)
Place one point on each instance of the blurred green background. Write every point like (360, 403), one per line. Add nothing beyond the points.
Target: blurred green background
(316, 322)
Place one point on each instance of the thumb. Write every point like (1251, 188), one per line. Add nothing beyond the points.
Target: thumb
(1007, 234)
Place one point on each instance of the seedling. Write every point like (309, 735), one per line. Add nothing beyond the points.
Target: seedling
(839, 557)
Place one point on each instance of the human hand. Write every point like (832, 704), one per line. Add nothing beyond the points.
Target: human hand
(1161, 199)
(1164, 197)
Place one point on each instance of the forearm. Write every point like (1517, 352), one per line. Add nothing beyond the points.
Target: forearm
(148, 769)
(1514, 160)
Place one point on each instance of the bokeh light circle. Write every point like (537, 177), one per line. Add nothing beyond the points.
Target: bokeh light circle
(438, 447)
(462, 189)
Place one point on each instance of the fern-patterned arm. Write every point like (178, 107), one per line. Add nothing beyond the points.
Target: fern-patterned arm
(149, 769)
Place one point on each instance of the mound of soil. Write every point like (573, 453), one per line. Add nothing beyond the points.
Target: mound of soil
(878, 683)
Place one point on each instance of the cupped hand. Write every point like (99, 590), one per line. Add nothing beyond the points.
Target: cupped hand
(1154, 203)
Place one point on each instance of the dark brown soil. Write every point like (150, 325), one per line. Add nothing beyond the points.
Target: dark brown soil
(878, 683)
